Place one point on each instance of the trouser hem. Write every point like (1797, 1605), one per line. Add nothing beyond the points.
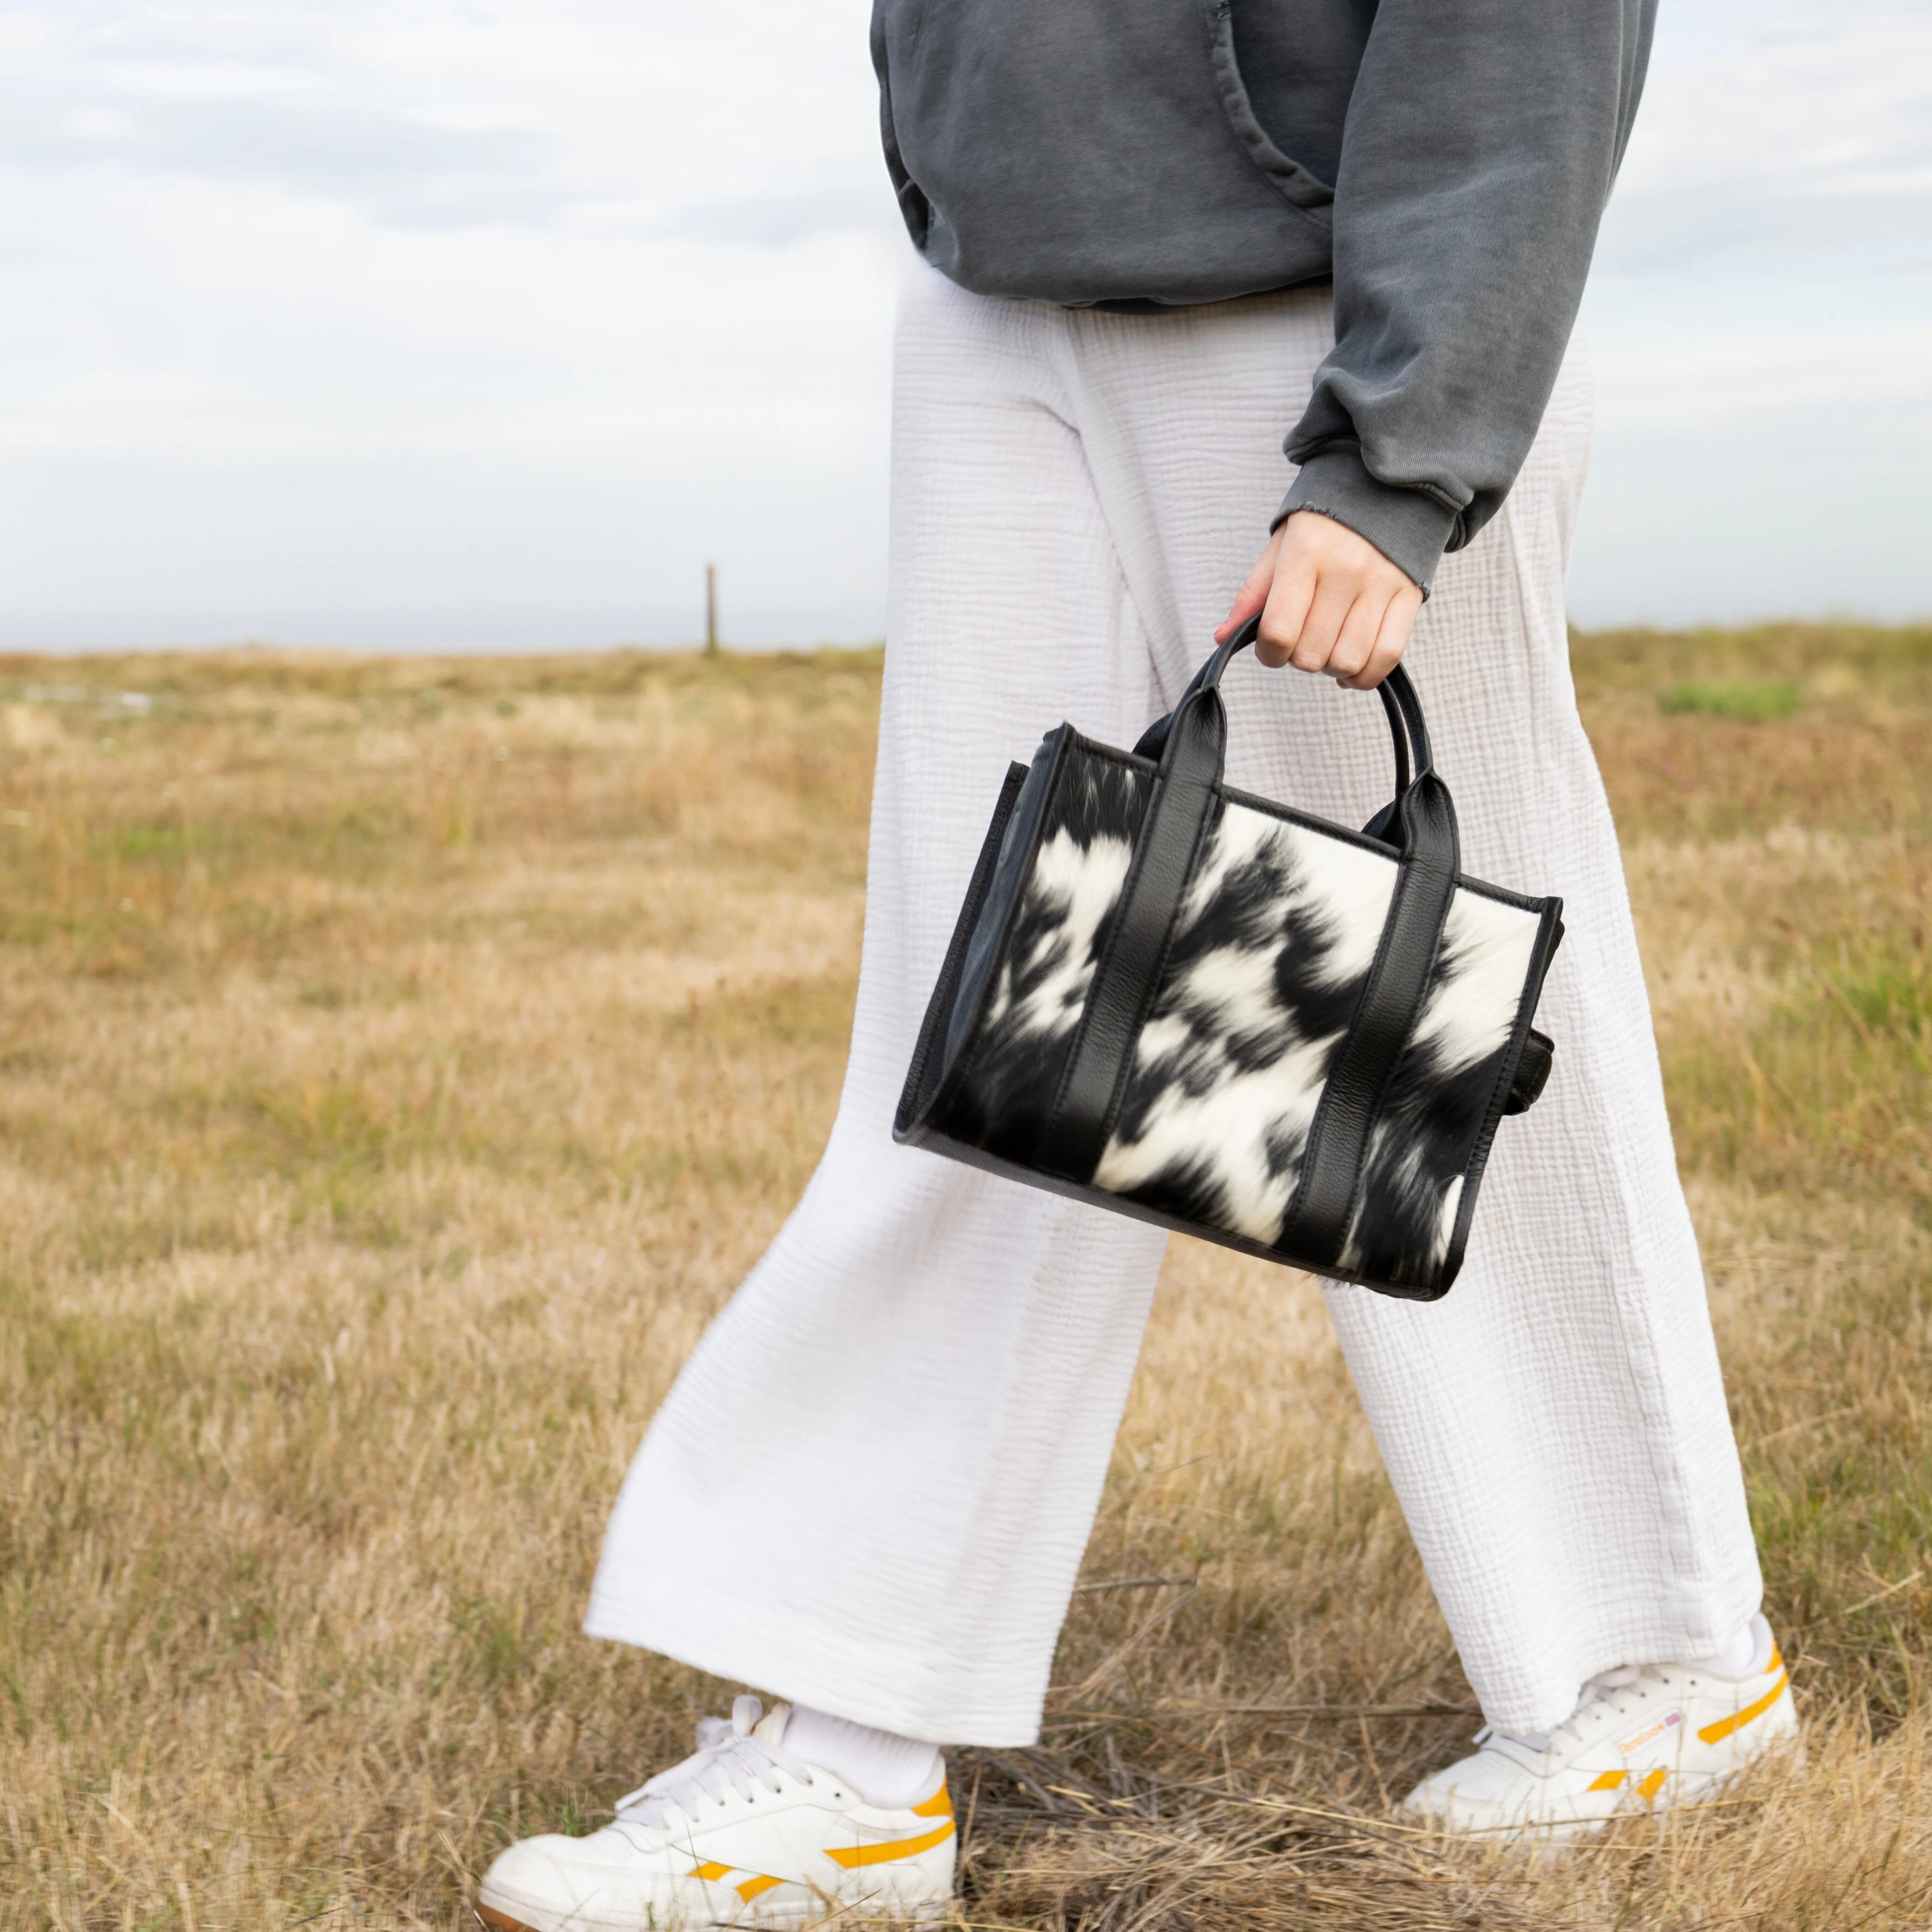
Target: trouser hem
(890, 1692)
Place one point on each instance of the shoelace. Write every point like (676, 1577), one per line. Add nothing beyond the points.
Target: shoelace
(728, 1759)
(1598, 1690)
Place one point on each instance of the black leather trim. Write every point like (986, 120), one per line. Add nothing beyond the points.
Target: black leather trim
(1323, 1209)
(1074, 1134)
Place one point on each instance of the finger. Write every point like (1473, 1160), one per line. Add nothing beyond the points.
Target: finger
(1392, 637)
(1286, 610)
(1355, 642)
(1253, 593)
(1327, 612)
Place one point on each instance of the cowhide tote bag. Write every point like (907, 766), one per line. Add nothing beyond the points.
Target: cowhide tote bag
(1216, 1013)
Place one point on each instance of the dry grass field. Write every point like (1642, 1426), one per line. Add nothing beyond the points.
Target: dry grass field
(400, 1060)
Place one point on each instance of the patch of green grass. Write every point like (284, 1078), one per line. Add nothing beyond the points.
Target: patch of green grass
(1897, 659)
(1890, 997)
(1756, 702)
(1831, 1092)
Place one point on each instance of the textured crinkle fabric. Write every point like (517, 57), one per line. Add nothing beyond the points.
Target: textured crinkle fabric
(870, 1487)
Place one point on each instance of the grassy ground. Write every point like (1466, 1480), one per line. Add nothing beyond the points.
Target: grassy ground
(399, 1061)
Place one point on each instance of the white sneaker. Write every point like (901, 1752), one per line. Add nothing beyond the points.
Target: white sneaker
(1644, 1737)
(741, 1833)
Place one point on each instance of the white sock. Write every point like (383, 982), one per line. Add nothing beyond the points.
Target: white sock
(1748, 1655)
(883, 1767)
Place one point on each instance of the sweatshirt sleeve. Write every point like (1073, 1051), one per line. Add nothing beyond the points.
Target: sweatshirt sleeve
(1481, 141)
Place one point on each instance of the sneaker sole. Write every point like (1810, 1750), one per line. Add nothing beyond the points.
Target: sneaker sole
(488, 1916)
(1550, 1836)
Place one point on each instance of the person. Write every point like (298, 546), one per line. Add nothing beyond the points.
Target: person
(1154, 235)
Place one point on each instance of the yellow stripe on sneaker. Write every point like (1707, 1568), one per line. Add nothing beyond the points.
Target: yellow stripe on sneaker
(892, 1848)
(1609, 1780)
(756, 1887)
(1652, 1784)
(939, 1805)
(708, 1869)
(1713, 1734)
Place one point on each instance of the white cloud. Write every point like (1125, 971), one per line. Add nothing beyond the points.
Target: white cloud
(1781, 106)
(440, 307)
(1761, 315)
(507, 314)
(580, 112)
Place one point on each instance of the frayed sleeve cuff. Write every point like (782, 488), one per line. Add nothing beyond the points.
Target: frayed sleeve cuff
(1410, 528)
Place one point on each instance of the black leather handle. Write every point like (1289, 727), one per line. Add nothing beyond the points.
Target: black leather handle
(1407, 728)
(1191, 744)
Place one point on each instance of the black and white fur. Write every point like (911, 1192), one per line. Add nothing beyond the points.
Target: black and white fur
(1277, 934)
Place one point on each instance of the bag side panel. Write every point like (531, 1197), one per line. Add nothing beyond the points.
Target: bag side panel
(1054, 901)
(929, 1057)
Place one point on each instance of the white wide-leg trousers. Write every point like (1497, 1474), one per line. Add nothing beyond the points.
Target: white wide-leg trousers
(870, 1489)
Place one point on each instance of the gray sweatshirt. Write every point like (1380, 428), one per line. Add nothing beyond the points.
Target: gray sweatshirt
(1446, 161)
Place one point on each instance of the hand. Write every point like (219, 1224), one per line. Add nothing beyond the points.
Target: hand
(1331, 602)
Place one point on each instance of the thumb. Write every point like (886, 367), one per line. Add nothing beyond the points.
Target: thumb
(1252, 596)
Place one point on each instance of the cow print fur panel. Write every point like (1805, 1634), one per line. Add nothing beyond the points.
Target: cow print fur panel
(1277, 934)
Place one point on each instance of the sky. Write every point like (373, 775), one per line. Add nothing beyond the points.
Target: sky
(425, 324)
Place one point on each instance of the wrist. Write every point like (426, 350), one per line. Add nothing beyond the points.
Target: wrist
(1409, 527)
